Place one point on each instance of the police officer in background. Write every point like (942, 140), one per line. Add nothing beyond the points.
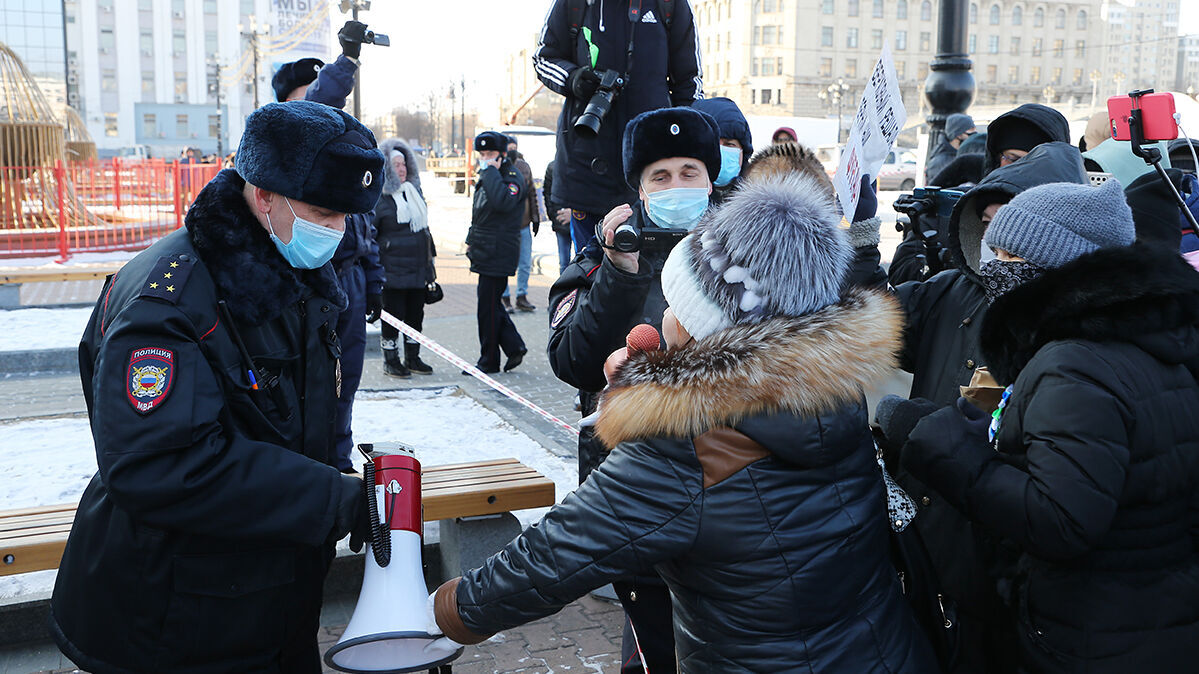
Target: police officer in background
(493, 248)
(359, 270)
(671, 157)
(210, 368)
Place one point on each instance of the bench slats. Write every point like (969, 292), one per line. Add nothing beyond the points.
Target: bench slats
(35, 537)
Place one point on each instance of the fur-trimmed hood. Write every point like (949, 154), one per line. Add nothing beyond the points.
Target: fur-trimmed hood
(250, 274)
(391, 183)
(1137, 295)
(804, 366)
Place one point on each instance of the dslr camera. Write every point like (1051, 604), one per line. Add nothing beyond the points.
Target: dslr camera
(630, 236)
(588, 123)
(926, 213)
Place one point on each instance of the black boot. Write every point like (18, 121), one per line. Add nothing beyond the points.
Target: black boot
(413, 361)
(507, 304)
(522, 303)
(392, 365)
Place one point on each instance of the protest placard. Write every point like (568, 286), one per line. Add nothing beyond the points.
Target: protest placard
(879, 118)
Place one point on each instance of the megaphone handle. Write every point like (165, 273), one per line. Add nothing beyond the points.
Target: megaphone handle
(380, 531)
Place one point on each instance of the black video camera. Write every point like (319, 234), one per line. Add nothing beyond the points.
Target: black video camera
(367, 37)
(588, 123)
(630, 236)
(926, 213)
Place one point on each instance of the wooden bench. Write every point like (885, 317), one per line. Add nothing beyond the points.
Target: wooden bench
(11, 279)
(473, 502)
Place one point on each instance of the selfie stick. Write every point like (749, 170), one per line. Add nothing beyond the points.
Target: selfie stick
(1152, 155)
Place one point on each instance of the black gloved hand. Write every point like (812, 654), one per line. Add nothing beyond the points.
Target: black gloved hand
(896, 417)
(351, 515)
(583, 82)
(867, 201)
(351, 37)
(978, 422)
(374, 307)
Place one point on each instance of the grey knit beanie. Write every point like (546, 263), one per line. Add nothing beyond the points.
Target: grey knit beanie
(957, 124)
(775, 248)
(1052, 224)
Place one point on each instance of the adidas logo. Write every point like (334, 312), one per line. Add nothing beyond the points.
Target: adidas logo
(649, 17)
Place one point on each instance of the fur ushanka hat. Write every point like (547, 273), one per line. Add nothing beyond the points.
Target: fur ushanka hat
(292, 76)
(775, 248)
(670, 132)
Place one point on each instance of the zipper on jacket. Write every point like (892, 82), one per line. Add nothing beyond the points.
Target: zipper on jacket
(941, 604)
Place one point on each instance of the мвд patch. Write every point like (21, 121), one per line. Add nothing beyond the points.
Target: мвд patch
(149, 377)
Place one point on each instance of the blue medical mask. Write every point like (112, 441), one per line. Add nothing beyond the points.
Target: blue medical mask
(677, 207)
(730, 165)
(311, 245)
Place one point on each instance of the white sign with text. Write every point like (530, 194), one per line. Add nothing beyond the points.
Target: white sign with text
(877, 123)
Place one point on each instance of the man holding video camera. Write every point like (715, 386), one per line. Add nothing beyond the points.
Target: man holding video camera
(671, 157)
(612, 61)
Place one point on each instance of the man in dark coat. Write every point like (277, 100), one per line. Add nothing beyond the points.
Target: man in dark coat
(941, 350)
(654, 45)
(359, 271)
(493, 248)
(958, 127)
(736, 144)
(531, 222)
(1086, 478)
(210, 371)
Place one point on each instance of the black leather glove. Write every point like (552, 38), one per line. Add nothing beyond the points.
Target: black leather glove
(896, 417)
(583, 82)
(351, 37)
(978, 422)
(867, 201)
(374, 307)
(351, 515)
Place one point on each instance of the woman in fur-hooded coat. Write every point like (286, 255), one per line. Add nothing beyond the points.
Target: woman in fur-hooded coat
(741, 467)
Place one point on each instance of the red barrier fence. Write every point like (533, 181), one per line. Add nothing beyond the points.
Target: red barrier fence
(94, 206)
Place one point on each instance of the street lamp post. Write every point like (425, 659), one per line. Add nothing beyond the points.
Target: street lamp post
(1049, 92)
(353, 6)
(1096, 75)
(834, 94)
(950, 84)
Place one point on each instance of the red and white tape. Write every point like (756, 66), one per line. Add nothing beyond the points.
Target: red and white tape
(474, 371)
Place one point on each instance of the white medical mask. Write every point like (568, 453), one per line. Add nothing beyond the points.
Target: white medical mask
(311, 245)
(677, 207)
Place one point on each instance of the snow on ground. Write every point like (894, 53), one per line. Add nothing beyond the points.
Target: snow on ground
(50, 461)
(33, 329)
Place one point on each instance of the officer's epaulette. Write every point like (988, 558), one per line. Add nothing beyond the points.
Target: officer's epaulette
(167, 278)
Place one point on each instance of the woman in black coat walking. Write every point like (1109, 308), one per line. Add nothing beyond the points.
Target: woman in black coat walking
(406, 250)
(1087, 475)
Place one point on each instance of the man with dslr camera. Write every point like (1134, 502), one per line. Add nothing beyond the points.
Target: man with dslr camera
(672, 157)
(587, 53)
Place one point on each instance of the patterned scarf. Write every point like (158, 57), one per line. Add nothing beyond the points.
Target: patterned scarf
(1000, 277)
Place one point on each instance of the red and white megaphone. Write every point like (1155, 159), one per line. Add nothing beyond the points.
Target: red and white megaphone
(389, 629)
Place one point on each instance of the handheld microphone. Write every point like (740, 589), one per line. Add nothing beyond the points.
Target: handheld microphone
(642, 338)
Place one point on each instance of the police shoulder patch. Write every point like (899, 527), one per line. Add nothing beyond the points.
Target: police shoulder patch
(149, 378)
(168, 276)
(513, 189)
(564, 309)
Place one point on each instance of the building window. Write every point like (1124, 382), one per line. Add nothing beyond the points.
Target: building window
(150, 125)
(1015, 48)
(108, 79)
(826, 36)
(922, 71)
(757, 36)
(828, 7)
(1038, 17)
(1080, 48)
(972, 43)
(110, 124)
(766, 96)
(756, 67)
(993, 74)
(778, 65)
(210, 6)
(179, 43)
(901, 40)
(1057, 76)
(180, 87)
(210, 43)
(148, 84)
(851, 38)
(146, 41)
(177, 8)
(753, 96)
(877, 10)
(1013, 75)
(1060, 19)
(973, 13)
(900, 68)
(145, 5)
(926, 11)
(993, 44)
(994, 18)
(853, 7)
(767, 67)
(1077, 76)
(925, 40)
(1059, 49)
(769, 34)
(901, 9)
(107, 41)
(1036, 47)
(768, 6)
(876, 39)
(826, 67)
(1034, 75)
(851, 67)
(214, 126)
(1081, 19)
(181, 130)
(1017, 15)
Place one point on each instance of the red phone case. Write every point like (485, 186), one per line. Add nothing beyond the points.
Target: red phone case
(1157, 116)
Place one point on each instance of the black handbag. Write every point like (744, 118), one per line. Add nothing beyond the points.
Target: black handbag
(434, 293)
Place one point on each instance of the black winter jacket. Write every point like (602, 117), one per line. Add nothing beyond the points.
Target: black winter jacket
(210, 497)
(665, 72)
(493, 241)
(758, 501)
(552, 205)
(1094, 476)
(1050, 122)
(407, 255)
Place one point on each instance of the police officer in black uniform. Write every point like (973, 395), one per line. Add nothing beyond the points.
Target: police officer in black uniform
(671, 157)
(493, 248)
(210, 368)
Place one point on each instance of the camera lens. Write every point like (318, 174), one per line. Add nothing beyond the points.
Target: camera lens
(626, 238)
(588, 124)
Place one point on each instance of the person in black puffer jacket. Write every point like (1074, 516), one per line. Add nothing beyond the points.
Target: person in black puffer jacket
(1089, 484)
(759, 502)
(736, 144)
(407, 251)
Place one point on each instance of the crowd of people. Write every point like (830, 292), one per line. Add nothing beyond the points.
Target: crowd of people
(1031, 506)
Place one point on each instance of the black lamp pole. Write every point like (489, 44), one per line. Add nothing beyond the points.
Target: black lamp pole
(950, 85)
